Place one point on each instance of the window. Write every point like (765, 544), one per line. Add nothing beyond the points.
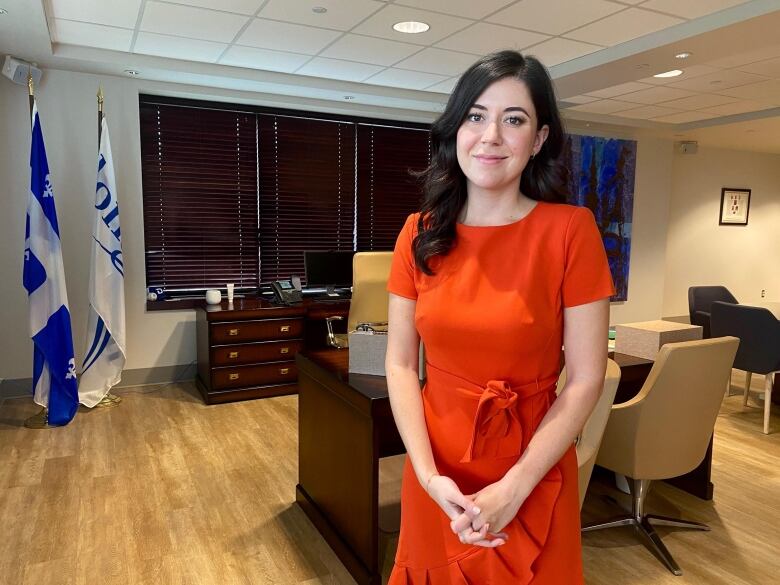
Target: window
(237, 193)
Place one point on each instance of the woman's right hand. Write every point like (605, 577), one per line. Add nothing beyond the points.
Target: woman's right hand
(451, 500)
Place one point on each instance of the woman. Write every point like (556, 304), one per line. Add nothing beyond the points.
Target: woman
(495, 275)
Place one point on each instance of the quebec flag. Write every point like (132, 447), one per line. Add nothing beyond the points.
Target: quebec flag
(104, 358)
(54, 365)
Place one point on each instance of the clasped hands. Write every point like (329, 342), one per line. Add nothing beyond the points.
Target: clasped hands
(477, 519)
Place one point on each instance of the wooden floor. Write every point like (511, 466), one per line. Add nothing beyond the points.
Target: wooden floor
(164, 489)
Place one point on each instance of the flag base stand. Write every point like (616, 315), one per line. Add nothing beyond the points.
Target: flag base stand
(39, 421)
(109, 401)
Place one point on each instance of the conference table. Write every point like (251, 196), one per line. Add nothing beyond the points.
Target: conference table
(346, 426)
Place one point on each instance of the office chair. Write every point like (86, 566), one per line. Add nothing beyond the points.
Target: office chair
(370, 272)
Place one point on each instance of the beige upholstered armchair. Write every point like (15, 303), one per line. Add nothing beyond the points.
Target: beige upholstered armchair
(589, 439)
(370, 272)
(664, 430)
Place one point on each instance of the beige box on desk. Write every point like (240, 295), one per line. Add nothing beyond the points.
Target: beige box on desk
(367, 352)
(645, 338)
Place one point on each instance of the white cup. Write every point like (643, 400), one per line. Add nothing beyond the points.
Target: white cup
(230, 287)
(213, 296)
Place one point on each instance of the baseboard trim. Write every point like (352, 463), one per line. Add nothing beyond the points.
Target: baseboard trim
(19, 387)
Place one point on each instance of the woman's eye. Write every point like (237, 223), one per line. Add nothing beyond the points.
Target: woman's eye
(515, 120)
(474, 117)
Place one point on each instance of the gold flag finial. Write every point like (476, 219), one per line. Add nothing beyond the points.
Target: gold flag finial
(100, 97)
(30, 87)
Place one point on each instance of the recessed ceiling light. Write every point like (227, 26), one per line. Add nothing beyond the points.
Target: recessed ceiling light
(411, 27)
(349, 97)
(683, 55)
(132, 72)
(319, 10)
(672, 73)
(3, 11)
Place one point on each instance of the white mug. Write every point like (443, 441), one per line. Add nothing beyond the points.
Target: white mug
(213, 296)
(230, 287)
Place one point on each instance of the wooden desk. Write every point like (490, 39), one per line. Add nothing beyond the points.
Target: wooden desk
(345, 426)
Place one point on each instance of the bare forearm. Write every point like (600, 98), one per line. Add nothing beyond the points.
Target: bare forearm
(554, 436)
(406, 402)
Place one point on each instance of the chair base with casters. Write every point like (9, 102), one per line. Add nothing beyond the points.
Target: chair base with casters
(643, 523)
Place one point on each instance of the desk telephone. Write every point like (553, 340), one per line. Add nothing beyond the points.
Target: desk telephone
(287, 292)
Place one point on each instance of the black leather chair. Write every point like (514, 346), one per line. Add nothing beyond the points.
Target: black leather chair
(759, 348)
(700, 299)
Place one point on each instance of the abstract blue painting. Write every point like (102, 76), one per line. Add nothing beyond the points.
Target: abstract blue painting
(601, 177)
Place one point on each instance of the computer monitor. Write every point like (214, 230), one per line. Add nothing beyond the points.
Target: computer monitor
(328, 269)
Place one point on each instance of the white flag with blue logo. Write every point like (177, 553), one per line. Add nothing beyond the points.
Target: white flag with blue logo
(105, 352)
(54, 365)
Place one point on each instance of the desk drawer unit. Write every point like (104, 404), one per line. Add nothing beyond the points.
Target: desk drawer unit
(248, 354)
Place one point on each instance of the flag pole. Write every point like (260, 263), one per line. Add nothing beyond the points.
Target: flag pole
(40, 420)
(109, 399)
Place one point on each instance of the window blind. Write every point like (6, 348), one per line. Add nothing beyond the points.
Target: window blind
(199, 174)
(387, 191)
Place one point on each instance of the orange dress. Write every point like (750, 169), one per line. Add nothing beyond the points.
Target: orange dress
(491, 319)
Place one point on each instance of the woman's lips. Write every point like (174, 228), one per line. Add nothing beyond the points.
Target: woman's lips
(489, 159)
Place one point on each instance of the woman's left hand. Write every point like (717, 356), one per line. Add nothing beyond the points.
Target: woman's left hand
(498, 503)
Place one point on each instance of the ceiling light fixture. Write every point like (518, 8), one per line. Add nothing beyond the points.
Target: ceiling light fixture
(3, 11)
(319, 10)
(672, 73)
(411, 27)
(349, 97)
(132, 72)
(683, 55)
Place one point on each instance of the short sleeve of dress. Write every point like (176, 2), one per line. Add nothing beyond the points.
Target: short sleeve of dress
(586, 275)
(401, 281)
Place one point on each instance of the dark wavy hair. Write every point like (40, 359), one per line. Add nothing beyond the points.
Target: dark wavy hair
(444, 183)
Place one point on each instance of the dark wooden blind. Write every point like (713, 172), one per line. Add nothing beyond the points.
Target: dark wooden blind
(199, 173)
(387, 193)
(307, 191)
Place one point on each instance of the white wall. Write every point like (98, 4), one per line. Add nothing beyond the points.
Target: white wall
(67, 106)
(745, 259)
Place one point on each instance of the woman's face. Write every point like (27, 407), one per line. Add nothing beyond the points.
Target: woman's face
(499, 135)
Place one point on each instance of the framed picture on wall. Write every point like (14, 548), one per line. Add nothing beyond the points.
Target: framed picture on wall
(734, 206)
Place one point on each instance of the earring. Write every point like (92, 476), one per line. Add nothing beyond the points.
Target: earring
(533, 154)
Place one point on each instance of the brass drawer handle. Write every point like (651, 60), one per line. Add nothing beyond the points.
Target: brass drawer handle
(233, 377)
(284, 370)
(284, 328)
(233, 355)
(284, 350)
(233, 332)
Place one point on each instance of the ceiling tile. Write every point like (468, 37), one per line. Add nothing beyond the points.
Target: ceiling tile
(690, 8)
(123, 13)
(559, 50)
(743, 58)
(604, 107)
(253, 58)
(369, 50)
(685, 117)
(406, 79)
(483, 38)
(438, 61)
(740, 107)
(465, 8)
(282, 36)
(698, 102)
(196, 23)
(554, 17)
(656, 95)
(381, 25)
(445, 86)
(770, 67)
(178, 47)
(687, 73)
(337, 69)
(341, 14)
(766, 90)
(623, 26)
(90, 35)
(616, 90)
(646, 112)
(717, 81)
(580, 99)
(248, 7)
